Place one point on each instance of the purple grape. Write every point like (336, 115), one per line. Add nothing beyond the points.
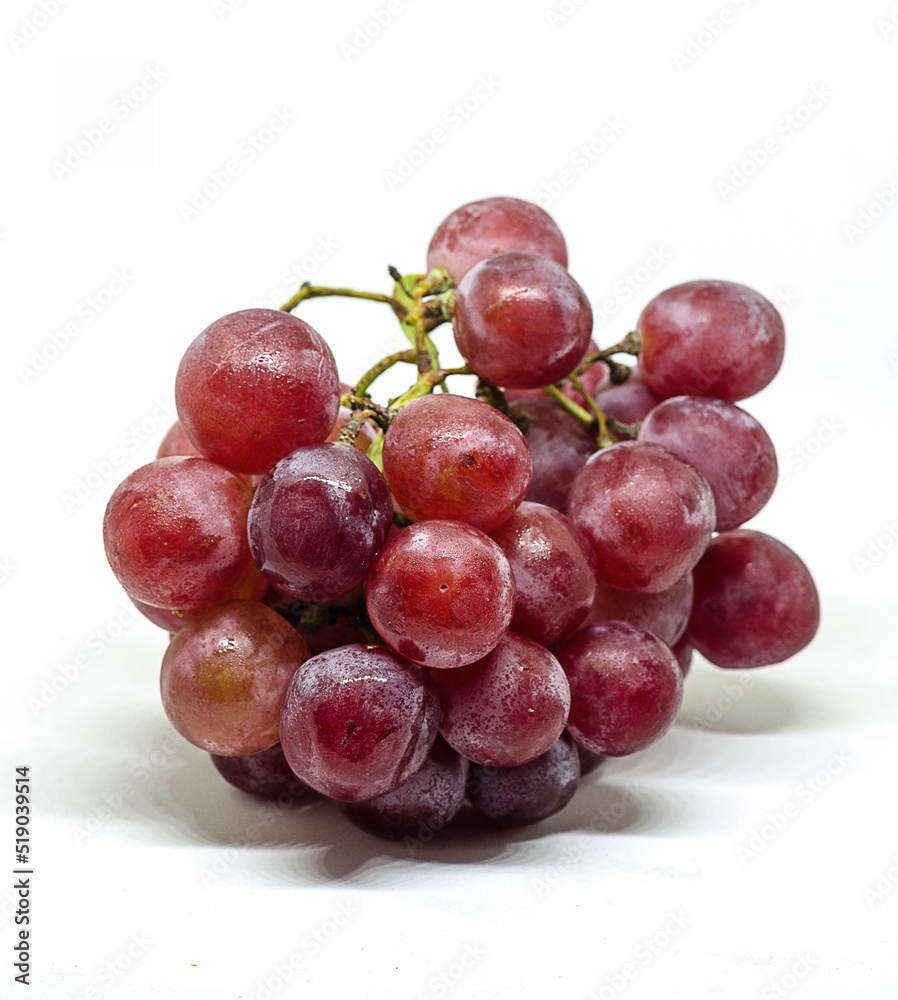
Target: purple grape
(683, 650)
(755, 602)
(589, 761)
(626, 687)
(664, 613)
(317, 521)
(648, 515)
(266, 774)
(529, 792)
(420, 807)
(630, 401)
(726, 445)
(507, 708)
(358, 721)
(710, 338)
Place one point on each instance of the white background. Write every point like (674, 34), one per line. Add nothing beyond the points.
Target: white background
(752, 853)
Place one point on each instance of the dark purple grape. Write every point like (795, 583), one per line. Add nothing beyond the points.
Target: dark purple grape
(358, 721)
(453, 458)
(553, 577)
(755, 602)
(317, 520)
(521, 321)
(559, 445)
(626, 687)
(529, 792)
(224, 676)
(710, 338)
(664, 613)
(648, 515)
(441, 593)
(175, 533)
(491, 226)
(629, 402)
(589, 761)
(266, 774)
(420, 807)
(254, 386)
(726, 445)
(507, 708)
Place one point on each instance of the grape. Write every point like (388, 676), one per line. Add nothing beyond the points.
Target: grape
(626, 687)
(250, 587)
(559, 445)
(589, 761)
(507, 708)
(344, 415)
(726, 445)
(480, 229)
(553, 577)
(457, 459)
(358, 721)
(266, 774)
(521, 321)
(224, 676)
(317, 520)
(254, 386)
(648, 515)
(529, 792)
(421, 807)
(176, 442)
(710, 338)
(665, 613)
(683, 650)
(441, 593)
(755, 602)
(629, 402)
(175, 532)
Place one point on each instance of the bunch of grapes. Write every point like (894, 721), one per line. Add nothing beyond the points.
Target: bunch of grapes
(410, 604)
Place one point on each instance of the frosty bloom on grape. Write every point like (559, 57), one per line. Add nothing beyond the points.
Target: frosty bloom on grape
(887, 25)
(711, 29)
(581, 159)
(452, 119)
(120, 110)
(32, 24)
(883, 885)
(119, 964)
(784, 984)
(869, 214)
(462, 963)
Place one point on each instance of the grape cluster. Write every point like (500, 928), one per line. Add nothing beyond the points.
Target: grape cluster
(408, 605)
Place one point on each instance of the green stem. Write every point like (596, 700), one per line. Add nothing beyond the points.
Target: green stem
(385, 364)
(575, 410)
(308, 291)
(629, 345)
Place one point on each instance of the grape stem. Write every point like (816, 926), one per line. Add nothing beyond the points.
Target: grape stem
(309, 291)
(628, 431)
(385, 364)
(619, 372)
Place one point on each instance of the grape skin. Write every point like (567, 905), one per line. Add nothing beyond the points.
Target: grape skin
(358, 721)
(453, 458)
(521, 321)
(755, 602)
(630, 401)
(490, 226)
(254, 386)
(175, 532)
(441, 593)
(664, 613)
(507, 708)
(176, 442)
(726, 445)
(224, 676)
(648, 515)
(710, 338)
(265, 774)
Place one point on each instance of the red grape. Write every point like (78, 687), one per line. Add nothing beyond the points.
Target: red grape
(507, 708)
(358, 721)
(317, 520)
(266, 774)
(629, 402)
(175, 532)
(491, 226)
(224, 676)
(344, 415)
(626, 687)
(254, 386)
(176, 442)
(441, 593)
(726, 445)
(458, 459)
(529, 792)
(755, 602)
(710, 338)
(553, 577)
(683, 650)
(420, 807)
(665, 613)
(521, 321)
(648, 515)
